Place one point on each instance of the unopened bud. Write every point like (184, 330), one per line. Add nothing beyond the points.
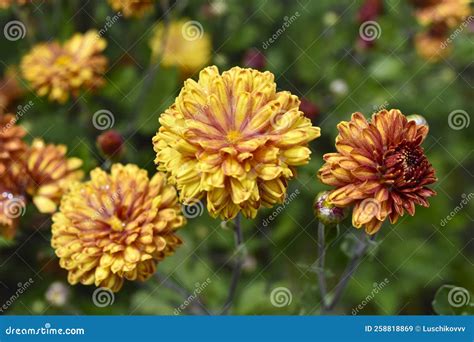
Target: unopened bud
(327, 213)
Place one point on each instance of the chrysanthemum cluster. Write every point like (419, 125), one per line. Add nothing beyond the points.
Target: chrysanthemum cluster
(439, 18)
(234, 139)
(63, 70)
(379, 168)
(40, 171)
(116, 226)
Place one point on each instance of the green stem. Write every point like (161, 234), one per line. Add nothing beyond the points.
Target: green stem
(321, 261)
(237, 270)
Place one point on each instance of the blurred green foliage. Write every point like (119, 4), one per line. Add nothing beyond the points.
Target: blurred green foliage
(417, 255)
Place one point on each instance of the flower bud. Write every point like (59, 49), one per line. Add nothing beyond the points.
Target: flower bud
(309, 108)
(327, 213)
(253, 58)
(419, 120)
(110, 143)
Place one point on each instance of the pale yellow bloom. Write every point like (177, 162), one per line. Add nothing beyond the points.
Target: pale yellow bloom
(186, 45)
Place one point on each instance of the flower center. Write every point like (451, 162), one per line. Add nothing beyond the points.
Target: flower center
(405, 164)
(116, 224)
(233, 136)
(62, 60)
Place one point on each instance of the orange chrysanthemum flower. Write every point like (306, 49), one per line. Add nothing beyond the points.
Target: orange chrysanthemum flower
(379, 167)
(132, 8)
(10, 90)
(12, 149)
(49, 173)
(234, 139)
(62, 70)
(448, 12)
(186, 46)
(7, 3)
(116, 226)
(432, 46)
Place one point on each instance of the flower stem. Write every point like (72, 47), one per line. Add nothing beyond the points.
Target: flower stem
(321, 262)
(351, 267)
(237, 270)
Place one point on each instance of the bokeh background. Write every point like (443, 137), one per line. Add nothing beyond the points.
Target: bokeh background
(319, 54)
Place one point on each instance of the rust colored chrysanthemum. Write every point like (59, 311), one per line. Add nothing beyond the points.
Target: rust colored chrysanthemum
(10, 90)
(63, 70)
(132, 8)
(234, 139)
(116, 226)
(49, 173)
(379, 167)
(7, 3)
(12, 151)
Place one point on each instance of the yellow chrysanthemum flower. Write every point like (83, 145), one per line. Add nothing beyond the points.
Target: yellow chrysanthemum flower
(186, 45)
(448, 12)
(235, 139)
(432, 47)
(116, 226)
(132, 8)
(49, 173)
(62, 70)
